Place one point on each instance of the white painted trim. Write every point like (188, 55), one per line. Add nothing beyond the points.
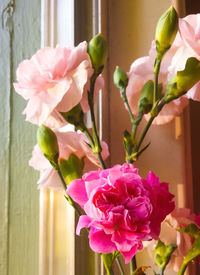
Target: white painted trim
(57, 27)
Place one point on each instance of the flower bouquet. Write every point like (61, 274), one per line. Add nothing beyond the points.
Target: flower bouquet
(121, 211)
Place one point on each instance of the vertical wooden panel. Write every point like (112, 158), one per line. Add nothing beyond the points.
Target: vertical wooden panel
(18, 191)
(5, 113)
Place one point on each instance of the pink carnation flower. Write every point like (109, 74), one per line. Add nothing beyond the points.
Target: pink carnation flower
(186, 44)
(69, 143)
(179, 218)
(122, 209)
(141, 71)
(197, 220)
(55, 80)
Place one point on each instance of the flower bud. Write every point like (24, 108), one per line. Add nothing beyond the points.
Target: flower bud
(48, 143)
(145, 102)
(97, 52)
(166, 30)
(75, 116)
(71, 168)
(120, 78)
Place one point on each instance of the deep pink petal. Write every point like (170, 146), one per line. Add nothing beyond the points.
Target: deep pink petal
(128, 255)
(101, 242)
(84, 221)
(77, 191)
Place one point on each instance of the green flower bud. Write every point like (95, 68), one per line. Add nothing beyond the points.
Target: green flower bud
(166, 30)
(184, 80)
(145, 102)
(71, 168)
(97, 51)
(75, 116)
(120, 78)
(48, 143)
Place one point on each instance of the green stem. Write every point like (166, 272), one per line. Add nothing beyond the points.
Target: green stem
(61, 178)
(135, 125)
(142, 136)
(149, 122)
(156, 73)
(133, 265)
(120, 266)
(162, 272)
(88, 135)
(124, 97)
(183, 268)
(69, 199)
(96, 145)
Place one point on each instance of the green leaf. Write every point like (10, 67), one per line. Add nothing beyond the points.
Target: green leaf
(71, 168)
(184, 80)
(193, 252)
(76, 117)
(162, 254)
(189, 76)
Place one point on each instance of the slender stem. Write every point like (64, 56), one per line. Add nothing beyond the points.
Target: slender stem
(133, 265)
(156, 73)
(124, 97)
(149, 122)
(162, 272)
(69, 199)
(96, 144)
(87, 133)
(142, 136)
(120, 266)
(183, 268)
(135, 125)
(61, 178)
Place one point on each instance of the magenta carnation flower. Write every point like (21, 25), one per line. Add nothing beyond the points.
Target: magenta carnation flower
(122, 209)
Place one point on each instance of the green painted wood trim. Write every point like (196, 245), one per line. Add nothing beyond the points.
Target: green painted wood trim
(19, 197)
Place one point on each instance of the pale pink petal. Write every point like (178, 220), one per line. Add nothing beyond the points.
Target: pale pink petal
(189, 37)
(49, 178)
(38, 160)
(74, 94)
(77, 55)
(40, 106)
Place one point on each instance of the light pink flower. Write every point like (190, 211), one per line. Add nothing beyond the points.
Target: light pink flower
(179, 218)
(69, 143)
(140, 72)
(122, 209)
(55, 80)
(188, 43)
